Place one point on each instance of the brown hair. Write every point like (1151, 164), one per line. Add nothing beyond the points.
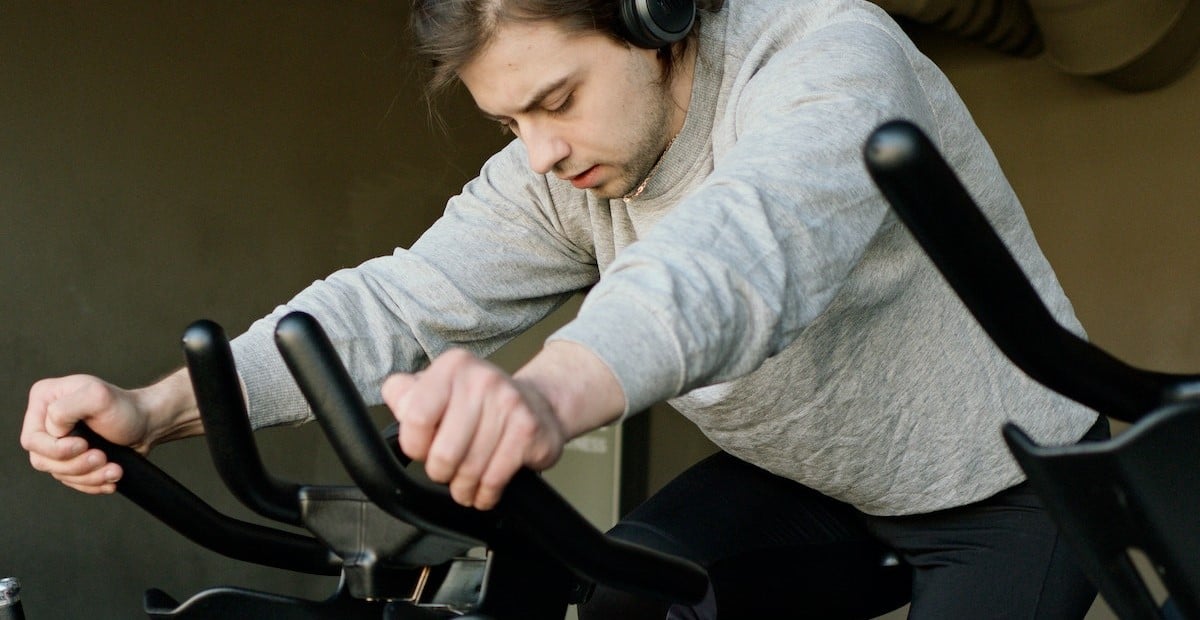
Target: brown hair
(450, 33)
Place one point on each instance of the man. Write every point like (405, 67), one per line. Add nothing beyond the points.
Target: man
(710, 194)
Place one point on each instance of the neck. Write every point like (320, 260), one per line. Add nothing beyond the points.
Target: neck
(680, 88)
(637, 191)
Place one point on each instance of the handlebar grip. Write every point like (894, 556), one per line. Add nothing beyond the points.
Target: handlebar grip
(528, 504)
(166, 499)
(932, 202)
(227, 428)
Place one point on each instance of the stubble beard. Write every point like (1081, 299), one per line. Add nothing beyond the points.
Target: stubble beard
(649, 148)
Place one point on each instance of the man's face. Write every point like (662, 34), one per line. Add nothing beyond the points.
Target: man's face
(588, 109)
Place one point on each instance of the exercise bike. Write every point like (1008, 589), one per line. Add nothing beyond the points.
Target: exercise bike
(1139, 490)
(404, 550)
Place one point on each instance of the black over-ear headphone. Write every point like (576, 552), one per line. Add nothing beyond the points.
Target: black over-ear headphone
(656, 23)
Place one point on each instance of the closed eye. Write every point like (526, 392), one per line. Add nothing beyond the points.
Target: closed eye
(563, 106)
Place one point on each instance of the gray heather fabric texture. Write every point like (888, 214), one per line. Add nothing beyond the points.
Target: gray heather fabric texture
(761, 283)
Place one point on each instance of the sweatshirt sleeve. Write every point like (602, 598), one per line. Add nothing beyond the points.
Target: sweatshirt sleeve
(733, 274)
(495, 263)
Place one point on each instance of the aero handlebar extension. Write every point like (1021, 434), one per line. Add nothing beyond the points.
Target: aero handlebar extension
(530, 513)
(534, 510)
(936, 208)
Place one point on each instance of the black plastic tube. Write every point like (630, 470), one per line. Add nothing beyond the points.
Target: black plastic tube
(227, 426)
(166, 499)
(529, 505)
(945, 220)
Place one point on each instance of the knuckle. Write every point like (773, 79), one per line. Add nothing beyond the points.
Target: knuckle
(439, 470)
(470, 470)
(524, 427)
(509, 398)
(454, 357)
(43, 386)
(493, 479)
(97, 393)
(413, 419)
(544, 455)
(415, 413)
(460, 353)
(393, 388)
(463, 486)
(443, 457)
(414, 449)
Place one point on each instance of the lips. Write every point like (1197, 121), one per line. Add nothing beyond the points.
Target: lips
(586, 179)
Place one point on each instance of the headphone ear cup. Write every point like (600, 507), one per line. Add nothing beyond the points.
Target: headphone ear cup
(653, 24)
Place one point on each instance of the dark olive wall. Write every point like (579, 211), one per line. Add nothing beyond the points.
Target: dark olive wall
(162, 162)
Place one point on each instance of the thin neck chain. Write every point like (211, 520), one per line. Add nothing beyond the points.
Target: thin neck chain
(628, 198)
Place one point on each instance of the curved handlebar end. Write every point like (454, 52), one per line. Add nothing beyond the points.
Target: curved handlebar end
(892, 146)
(227, 426)
(342, 416)
(932, 202)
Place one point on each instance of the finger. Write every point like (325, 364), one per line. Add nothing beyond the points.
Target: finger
(36, 440)
(96, 481)
(420, 407)
(34, 437)
(103, 489)
(394, 391)
(399, 394)
(83, 464)
(465, 484)
(395, 386)
(456, 430)
(508, 457)
(500, 470)
(75, 405)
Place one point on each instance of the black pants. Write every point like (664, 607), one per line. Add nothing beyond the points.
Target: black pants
(776, 549)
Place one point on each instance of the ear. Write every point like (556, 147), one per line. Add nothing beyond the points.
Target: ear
(654, 24)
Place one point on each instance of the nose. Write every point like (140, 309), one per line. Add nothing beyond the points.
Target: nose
(546, 147)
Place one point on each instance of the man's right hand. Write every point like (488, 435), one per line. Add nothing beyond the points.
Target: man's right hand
(139, 419)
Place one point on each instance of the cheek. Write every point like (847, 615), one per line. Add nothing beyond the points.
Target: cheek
(609, 128)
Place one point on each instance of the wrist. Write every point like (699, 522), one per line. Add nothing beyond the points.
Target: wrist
(168, 409)
(582, 392)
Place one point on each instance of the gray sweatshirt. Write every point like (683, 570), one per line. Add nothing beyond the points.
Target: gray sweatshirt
(760, 283)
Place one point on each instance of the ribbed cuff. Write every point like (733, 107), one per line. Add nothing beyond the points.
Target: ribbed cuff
(273, 398)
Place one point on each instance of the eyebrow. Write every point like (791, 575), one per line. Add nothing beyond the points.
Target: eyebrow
(534, 101)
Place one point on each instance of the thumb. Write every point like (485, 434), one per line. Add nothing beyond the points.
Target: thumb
(74, 405)
(395, 389)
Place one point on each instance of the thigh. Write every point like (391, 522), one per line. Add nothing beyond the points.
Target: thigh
(772, 547)
(1000, 558)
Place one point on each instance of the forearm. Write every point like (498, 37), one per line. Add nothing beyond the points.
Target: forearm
(580, 388)
(170, 409)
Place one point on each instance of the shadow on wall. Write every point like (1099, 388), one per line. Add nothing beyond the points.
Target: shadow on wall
(1131, 45)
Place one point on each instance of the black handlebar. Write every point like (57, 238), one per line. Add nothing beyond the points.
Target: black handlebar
(227, 426)
(165, 498)
(528, 506)
(341, 413)
(937, 209)
(530, 513)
